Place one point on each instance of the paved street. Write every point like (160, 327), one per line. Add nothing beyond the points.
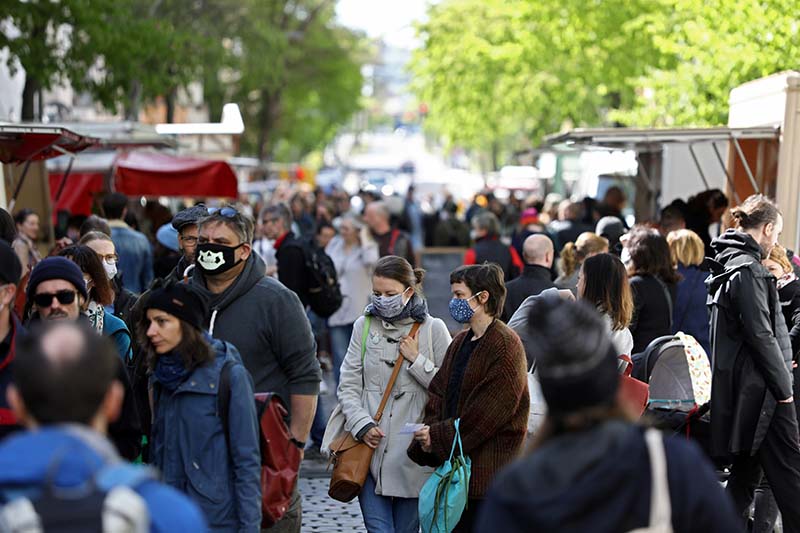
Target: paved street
(324, 514)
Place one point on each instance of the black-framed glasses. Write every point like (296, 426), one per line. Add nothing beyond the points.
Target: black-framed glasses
(227, 211)
(189, 239)
(45, 299)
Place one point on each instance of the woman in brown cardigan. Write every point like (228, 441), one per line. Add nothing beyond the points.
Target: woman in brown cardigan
(482, 381)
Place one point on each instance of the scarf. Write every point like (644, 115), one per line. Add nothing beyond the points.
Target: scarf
(95, 312)
(786, 279)
(416, 308)
(170, 371)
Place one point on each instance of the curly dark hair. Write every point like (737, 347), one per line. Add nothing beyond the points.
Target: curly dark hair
(486, 277)
(90, 264)
(650, 255)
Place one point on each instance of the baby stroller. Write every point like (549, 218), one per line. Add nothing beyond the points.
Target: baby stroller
(679, 374)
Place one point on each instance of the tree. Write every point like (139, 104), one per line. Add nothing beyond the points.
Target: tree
(707, 49)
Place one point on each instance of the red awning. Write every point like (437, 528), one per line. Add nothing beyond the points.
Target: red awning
(20, 143)
(155, 174)
(79, 192)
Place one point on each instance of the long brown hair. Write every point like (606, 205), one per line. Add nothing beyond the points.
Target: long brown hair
(605, 285)
(90, 264)
(650, 254)
(194, 349)
(574, 253)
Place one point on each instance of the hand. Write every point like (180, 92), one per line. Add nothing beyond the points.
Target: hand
(566, 294)
(790, 399)
(409, 348)
(373, 437)
(423, 436)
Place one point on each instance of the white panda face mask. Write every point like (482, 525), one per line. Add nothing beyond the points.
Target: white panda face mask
(215, 259)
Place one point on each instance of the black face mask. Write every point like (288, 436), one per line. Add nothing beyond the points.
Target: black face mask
(215, 259)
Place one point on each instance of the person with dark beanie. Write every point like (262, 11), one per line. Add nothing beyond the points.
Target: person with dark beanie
(217, 467)
(10, 332)
(482, 382)
(590, 468)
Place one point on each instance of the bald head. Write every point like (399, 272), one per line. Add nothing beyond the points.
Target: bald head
(377, 216)
(538, 250)
(66, 353)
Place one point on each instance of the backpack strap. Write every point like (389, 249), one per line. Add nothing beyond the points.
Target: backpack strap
(393, 241)
(660, 505)
(224, 398)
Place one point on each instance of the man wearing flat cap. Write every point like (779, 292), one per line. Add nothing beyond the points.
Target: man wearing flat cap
(186, 224)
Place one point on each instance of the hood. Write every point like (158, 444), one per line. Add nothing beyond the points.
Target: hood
(254, 271)
(734, 249)
(734, 243)
(578, 470)
(68, 454)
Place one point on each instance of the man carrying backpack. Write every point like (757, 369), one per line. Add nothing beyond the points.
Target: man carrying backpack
(66, 473)
(292, 270)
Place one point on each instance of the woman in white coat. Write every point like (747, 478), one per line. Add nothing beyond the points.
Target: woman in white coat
(354, 253)
(603, 282)
(388, 499)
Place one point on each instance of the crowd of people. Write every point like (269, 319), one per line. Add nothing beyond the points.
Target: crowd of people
(163, 369)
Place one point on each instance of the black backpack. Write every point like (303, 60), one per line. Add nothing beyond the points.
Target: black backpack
(324, 293)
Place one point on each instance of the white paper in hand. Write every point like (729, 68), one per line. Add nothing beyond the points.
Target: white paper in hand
(410, 428)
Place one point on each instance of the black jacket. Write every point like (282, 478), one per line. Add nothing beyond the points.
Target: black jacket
(652, 314)
(534, 279)
(790, 305)
(751, 352)
(292, 270)
(492, 250)
(599, 480)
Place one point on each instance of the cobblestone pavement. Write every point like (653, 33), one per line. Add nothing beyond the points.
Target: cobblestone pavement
(323, 514)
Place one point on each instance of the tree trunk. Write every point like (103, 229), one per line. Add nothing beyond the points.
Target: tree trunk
(29, 93)
(495, 155)
(267, 120)
(134, 97)
(171, 97)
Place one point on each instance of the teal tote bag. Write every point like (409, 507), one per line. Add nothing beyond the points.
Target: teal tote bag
(444, 496)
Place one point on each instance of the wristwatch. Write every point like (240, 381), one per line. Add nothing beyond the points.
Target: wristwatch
(301, 445)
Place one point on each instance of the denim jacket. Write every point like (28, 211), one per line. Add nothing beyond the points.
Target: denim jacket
(135, 256)
(189, 445)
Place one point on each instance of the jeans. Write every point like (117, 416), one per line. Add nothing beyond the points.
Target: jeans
(779, 457)
(340, 341)
(387, 514)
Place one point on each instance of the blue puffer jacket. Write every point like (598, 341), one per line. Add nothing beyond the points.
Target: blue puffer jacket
(189, 445)
(690, 312)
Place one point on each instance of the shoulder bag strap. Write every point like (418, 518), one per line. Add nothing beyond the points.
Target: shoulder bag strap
(397, 366)
(364, 335)
(669, 298)
(660, 505)
(393, 241)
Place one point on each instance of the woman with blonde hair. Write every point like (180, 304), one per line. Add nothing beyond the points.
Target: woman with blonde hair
(575, 253)
(690, 312)
(779, 266)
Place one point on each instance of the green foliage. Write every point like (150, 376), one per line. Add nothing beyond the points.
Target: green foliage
(507, 72)
(293, 70)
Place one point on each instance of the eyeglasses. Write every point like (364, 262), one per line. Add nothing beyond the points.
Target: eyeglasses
(110, 258)
(271, 220)
(227, 212)
(189, 239)
(45, 299)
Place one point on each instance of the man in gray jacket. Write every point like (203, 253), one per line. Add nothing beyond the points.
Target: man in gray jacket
(263, 319)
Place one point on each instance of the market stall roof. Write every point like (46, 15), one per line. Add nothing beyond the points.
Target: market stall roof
(146, 173)
(643, 138)
(124, 134)
(20, 143)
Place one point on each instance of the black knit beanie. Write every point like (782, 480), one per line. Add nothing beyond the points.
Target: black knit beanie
(575, 357)
(179, 300)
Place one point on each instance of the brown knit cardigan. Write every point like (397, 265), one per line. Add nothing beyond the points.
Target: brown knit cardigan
(493, 407)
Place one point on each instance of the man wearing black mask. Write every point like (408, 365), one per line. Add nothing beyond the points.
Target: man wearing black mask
(263, 319)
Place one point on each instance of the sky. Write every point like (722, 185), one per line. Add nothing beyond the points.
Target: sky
(390, 19)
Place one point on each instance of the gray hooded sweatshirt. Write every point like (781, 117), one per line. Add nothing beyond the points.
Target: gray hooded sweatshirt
(268, 325)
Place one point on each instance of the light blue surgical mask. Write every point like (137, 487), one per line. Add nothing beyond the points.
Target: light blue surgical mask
(388, 307)
(460, 309)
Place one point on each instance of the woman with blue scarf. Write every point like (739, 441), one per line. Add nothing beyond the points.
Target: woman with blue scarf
(188, 443)
(388, 499)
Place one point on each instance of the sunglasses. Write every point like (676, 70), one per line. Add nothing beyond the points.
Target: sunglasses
(45, 299)
(227, 212)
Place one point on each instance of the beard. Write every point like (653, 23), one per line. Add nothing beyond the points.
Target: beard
(56, 315)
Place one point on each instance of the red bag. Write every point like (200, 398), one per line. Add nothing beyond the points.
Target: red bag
(632, 392)
(280, 458)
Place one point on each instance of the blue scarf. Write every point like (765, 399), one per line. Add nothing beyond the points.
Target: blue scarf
(170, 371)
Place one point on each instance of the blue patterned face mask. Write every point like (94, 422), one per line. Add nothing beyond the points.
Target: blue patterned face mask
(460, 309)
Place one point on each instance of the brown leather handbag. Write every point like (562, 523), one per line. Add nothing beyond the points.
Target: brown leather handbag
(351, 458)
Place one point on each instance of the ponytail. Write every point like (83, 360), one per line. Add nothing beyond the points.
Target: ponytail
(569, 259)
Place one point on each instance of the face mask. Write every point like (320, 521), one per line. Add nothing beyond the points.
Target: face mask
(473, 234)
(388, 307)
(111, 270)
(216, 258)
(460, 309)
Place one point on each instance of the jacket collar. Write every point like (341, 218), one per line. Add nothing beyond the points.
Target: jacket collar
(205, 379)
(536, 272)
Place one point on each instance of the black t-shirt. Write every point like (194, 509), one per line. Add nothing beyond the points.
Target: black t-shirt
(457, 375)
